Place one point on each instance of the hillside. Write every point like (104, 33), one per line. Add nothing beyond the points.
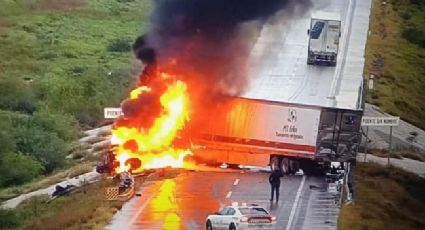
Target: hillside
(396, 57)
(62, 62)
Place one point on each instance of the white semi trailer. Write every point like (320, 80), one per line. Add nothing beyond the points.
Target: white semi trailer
(285, 136)
(324, 35)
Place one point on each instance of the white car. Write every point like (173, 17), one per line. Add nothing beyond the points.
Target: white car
(241, 217)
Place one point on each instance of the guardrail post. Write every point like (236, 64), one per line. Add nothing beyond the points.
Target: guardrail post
(365, 144)
(390, 146)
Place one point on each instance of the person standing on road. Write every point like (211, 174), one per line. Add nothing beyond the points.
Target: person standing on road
(274, 180)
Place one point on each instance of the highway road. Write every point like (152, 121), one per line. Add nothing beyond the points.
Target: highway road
(183, 202)
(278, 62)
(280, 73)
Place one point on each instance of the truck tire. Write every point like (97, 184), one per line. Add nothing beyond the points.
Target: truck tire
(208, 225)
(284, 165)
(294, 166)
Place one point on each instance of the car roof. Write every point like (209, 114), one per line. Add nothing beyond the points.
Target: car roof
(252, 207)
(246, 206)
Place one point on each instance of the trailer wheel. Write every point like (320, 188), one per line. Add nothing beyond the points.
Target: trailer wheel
(294, 166)
(284, 165)
(274, 163)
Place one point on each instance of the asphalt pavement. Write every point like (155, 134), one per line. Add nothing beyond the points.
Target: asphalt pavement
(184, 202)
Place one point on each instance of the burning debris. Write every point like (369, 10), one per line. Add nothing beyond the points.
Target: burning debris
(195, 52)
(144, 136)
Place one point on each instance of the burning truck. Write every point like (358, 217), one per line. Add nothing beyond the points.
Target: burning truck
(201, 96)
(285, 136)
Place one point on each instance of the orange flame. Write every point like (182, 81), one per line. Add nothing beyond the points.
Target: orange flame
(154, 145)
(138, 91)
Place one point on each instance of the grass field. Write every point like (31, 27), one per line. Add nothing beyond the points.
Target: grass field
(73, 51)
(396, 56)
(385, 198)
(76, 170)
(62, 62)
(84, 209)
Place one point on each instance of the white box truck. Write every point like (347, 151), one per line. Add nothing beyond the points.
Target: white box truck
(324, 38)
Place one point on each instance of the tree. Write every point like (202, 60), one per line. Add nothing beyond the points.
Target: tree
(16, 169)
(65, 126)
(46, 147)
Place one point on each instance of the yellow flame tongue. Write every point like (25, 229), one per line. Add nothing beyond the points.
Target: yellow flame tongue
(154, 148)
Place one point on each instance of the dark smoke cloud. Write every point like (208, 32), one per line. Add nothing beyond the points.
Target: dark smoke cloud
(210, 16)
(142, 52)
(142, 111)
(210, 40)
(207, 42)
(173, 17)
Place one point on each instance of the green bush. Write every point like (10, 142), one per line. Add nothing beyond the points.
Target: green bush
(414, 35)
(77, 70)
(418, 3)
(44, 146)
(16, 169)
(9, 219)
(43, 137)
(16, 95)
(401, 103)
(65, 126)
(119, 45)
(7, 141)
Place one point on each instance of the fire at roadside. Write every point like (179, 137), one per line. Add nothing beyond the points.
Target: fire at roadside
(194, 56)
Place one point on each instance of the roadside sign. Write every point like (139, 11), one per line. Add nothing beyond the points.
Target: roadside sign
(112, 113)
(380, 121)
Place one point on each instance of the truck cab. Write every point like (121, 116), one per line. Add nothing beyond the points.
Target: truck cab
(324, 35)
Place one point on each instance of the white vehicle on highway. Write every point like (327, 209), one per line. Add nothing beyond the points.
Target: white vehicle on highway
(240, 218)
(324, 35)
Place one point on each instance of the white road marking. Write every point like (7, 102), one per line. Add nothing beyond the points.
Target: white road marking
(228, 195)
(294, 206)
(236, 182)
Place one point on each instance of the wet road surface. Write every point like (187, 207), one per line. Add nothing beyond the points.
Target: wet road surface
(184, 202)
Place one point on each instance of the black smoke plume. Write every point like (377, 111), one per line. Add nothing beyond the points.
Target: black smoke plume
(209, 39)
(207, 43)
